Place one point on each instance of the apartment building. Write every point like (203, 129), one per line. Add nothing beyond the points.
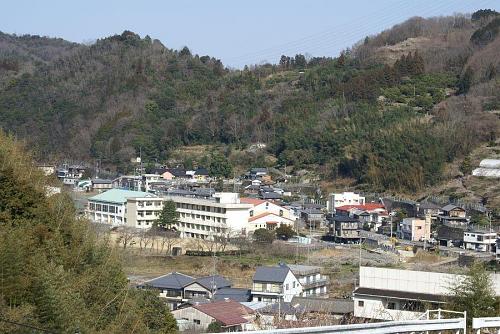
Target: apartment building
(345, 198)
(223, 214)
(110, 207)
(141, 212)
(344, 229)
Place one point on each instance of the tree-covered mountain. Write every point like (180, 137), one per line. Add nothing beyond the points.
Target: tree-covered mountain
(390, 113)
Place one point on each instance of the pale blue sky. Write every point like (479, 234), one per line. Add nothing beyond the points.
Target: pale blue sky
(237, 32)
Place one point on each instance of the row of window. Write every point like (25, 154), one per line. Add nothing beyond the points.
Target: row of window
(201, 227)
(103, 208)
(202, 217)
(206, 208)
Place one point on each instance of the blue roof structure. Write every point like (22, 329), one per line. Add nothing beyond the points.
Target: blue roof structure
(119, 196)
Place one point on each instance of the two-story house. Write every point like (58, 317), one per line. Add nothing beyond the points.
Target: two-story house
(415, 229)
(454, 216)
(481, 241)
(177, 288)
(313, 283)
(271, 284)
(266, 214)
(344, 229)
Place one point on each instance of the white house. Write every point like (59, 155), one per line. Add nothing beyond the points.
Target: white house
(271, 284)
(345, 198)
(266, 214)
(481, 241)
(398, 294)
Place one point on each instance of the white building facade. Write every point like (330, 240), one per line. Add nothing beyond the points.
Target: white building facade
(345, 198)
(480, 241)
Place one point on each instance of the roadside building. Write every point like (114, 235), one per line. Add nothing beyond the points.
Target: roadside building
(313, 283)
(481, 241)
(271, 284)
(319, 308)
(453, 215)
(346, 198)
(415, 229)
(101, 184)
(370, 214)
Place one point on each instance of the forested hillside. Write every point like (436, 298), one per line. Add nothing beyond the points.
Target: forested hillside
(389, 113)
(57, 276)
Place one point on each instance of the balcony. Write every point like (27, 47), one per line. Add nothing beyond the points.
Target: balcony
(315, 283)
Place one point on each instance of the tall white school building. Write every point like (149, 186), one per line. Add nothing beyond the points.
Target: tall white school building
(223, 214)
(345, 198)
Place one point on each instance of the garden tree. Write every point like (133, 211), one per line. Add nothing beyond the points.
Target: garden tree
(263, 236)
(285, 232)
(168, 217)
(474, 294)
(219, 167)
(56, 274)
(214, 327)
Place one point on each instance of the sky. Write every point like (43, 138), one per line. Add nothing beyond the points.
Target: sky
(235, 31)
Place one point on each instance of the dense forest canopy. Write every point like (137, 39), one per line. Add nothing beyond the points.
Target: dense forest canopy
(390, 112)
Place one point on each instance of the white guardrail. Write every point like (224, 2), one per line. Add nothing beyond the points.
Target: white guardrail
(457, 324)
(480, 323)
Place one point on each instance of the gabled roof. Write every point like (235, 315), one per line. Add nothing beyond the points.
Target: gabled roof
(212, 282)
(299, 269)
(450, 207)
(170, 281)
(101, 181)
(271, 195)
(236, 294)
(227, 312)
(253, 201)
(119, 196)
(201, 171)
(271, 274)
(177, 172)
(251, 219)
(283, 308)
(322, 305)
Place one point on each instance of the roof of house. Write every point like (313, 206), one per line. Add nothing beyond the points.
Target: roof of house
(324, 305)
(275, 274)
(271, 195)
(227, 312)
(119, 195)
(365, 207)
(213, 282)
(450, 207)
(425, 297)
(201, 171)
(312, 211)
(177, 172)
(258, 170)
(345, 219)
(254, 201)
(282, 308)
(300, 269)
(101, 181)
(251, 219)
(170, 281)
(236, 294)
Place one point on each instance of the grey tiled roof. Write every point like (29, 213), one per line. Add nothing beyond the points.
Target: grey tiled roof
(170, 281)
(236, 294)
(215, 282)
(324, 305)
(271, 274)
